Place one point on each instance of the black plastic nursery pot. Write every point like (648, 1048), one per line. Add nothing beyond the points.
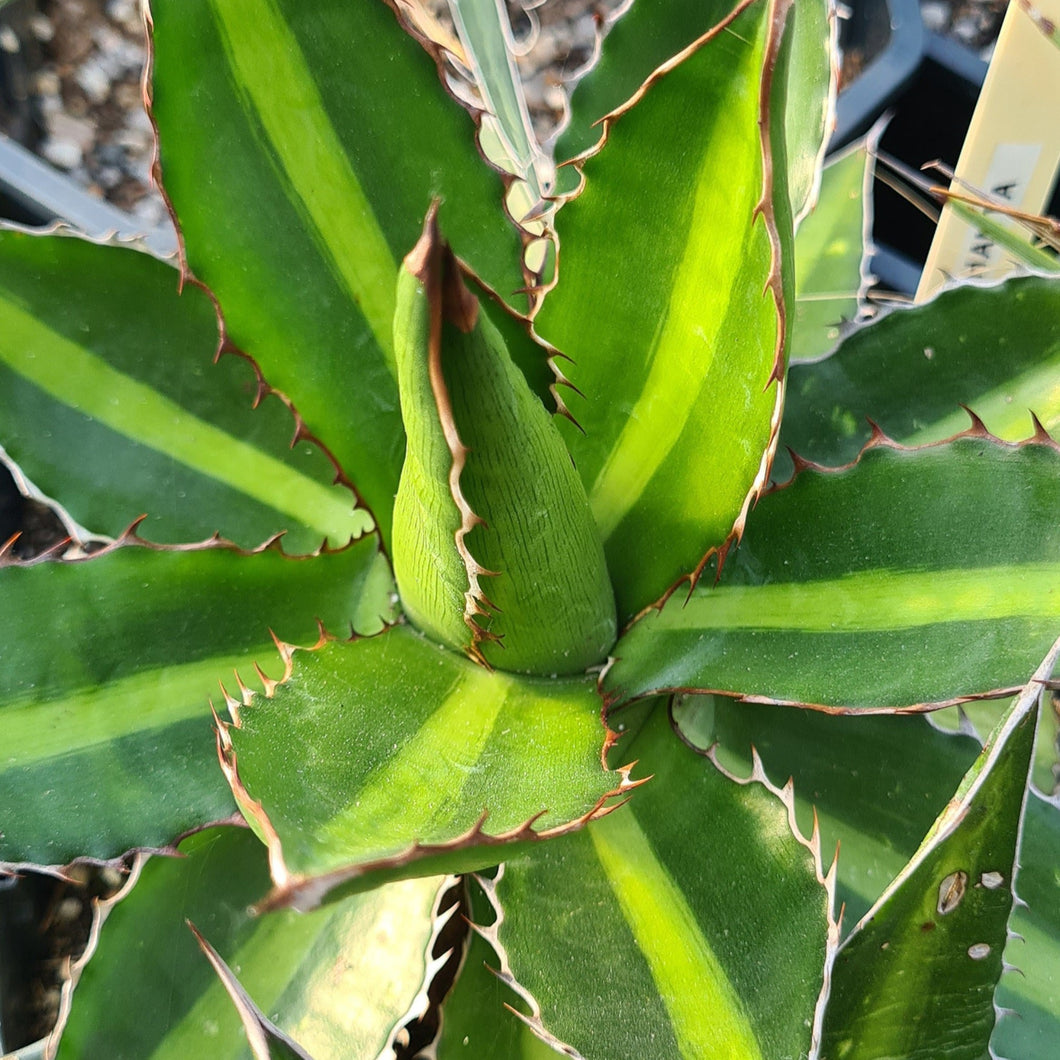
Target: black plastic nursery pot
(882, 44)
(929, 112)
(930, 118)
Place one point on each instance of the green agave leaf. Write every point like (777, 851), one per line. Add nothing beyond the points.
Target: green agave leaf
(648, 35)
(335, 981)
(675, 356)
(475, 1019)
(99, 346)
(911, 770)
(267, 1041)
(994, 349)
(909, 766)
(983, 717)
(323, 133)
(722, 935)
(1028, 996)
(809, 101)
(507, 137)
(372, 754)
(644, 37)
(106, 666)
(830, 271)
(488, 501)
(911, 579)
(1007, 233)
(916, 977)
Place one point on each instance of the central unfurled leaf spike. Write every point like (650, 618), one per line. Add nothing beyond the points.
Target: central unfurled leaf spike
(495, 549)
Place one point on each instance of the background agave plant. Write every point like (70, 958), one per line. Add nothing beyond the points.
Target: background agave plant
(661, 894)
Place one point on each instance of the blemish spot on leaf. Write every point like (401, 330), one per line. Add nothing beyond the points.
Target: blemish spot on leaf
(979, 951)
(992, 880)
(951, 891)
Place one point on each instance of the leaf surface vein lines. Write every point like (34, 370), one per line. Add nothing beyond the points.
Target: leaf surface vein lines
(876, 600)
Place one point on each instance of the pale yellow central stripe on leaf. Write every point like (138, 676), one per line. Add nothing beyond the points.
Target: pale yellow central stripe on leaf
(376, 943)
(685, 343)
(876, 600)
(705, 1012)
(418, 786)
(91, 717)
(1004, 408)
(79, 378)
(272, 72)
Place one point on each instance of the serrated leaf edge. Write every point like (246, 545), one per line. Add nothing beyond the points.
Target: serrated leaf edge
(129, 538)
(225, 345)
(101, 909)
(826, 877)
(430, 261)
(764, 208)
(955, 810)
(306, 892)
(879, 440)
(445, 59)
(491, 934)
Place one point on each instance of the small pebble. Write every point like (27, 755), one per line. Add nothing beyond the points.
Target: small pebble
(46, 82)
(69, 909)
(128, 96)
(50, 104)
(93, 80)
(61, 153)
(111, 878)
(132, 139)
(81, 874)
(935, 15)
(555, 97)
(965, 29)
(149, 210)
(124, 12)
(108, 177)
(110, 155)
(41, 27)
(77, 130)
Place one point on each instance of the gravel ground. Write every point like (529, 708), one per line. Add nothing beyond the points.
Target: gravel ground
(87, 100)
(973, 23)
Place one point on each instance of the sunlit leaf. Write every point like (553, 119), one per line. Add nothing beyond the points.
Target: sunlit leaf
(715, 919)
(335, 981)
(374, 754)
(852, 590)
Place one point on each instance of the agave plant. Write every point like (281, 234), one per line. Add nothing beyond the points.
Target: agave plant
(535, 601)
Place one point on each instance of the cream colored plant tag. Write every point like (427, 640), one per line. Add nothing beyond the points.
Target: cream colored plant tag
(1012, 151)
